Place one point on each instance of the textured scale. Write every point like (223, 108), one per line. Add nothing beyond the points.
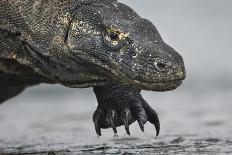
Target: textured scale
(87, 43)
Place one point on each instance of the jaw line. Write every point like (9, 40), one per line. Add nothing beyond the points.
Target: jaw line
(150, 86)
(155, 86)
(125, 79)
(144, 85)
(159, 86)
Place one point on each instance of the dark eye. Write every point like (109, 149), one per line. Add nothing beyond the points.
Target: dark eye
(114, 36)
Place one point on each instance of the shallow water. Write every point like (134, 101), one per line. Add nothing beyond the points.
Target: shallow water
(195, 119)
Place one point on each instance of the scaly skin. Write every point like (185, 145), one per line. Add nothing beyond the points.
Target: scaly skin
(122, 105)
(87, 43)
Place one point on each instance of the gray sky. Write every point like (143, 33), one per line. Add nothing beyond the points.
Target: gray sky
(200, 30)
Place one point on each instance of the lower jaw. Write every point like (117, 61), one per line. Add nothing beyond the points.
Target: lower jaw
(164, 86)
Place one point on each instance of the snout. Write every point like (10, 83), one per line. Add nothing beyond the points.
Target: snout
(170, 64)
(163, 71)
(166, 67)
(167, 77)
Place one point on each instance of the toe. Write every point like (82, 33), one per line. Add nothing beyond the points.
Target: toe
(139, 114)
(141, 124)
(126, 117)
(112, 119)
(96, 118)
(152, 116)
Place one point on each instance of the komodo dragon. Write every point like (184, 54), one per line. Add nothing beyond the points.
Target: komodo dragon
(87, 43)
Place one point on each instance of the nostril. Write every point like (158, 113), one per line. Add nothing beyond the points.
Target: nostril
(160, 66)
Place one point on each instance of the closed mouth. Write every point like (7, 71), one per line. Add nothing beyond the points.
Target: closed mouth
(159, 86)
(151, 85)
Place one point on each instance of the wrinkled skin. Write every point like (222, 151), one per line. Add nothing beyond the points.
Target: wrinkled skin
(137, 55)
(88, 43)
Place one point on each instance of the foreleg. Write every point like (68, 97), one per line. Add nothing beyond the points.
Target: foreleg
(122, 105)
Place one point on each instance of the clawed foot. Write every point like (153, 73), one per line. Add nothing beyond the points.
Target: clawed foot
(122, 105)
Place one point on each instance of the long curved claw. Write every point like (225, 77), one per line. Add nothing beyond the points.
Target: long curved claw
(97, 128)
(112, 116)
(125, 117)
(141, 124)
(140, 114)
(125, 121)
(152, 116)
(154, 119)
(96, 117)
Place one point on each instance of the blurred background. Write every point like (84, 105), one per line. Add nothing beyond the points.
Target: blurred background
(197, 115)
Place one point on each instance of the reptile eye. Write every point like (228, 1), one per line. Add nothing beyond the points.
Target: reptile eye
(114, 36)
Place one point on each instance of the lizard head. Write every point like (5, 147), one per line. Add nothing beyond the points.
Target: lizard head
(124, 47)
